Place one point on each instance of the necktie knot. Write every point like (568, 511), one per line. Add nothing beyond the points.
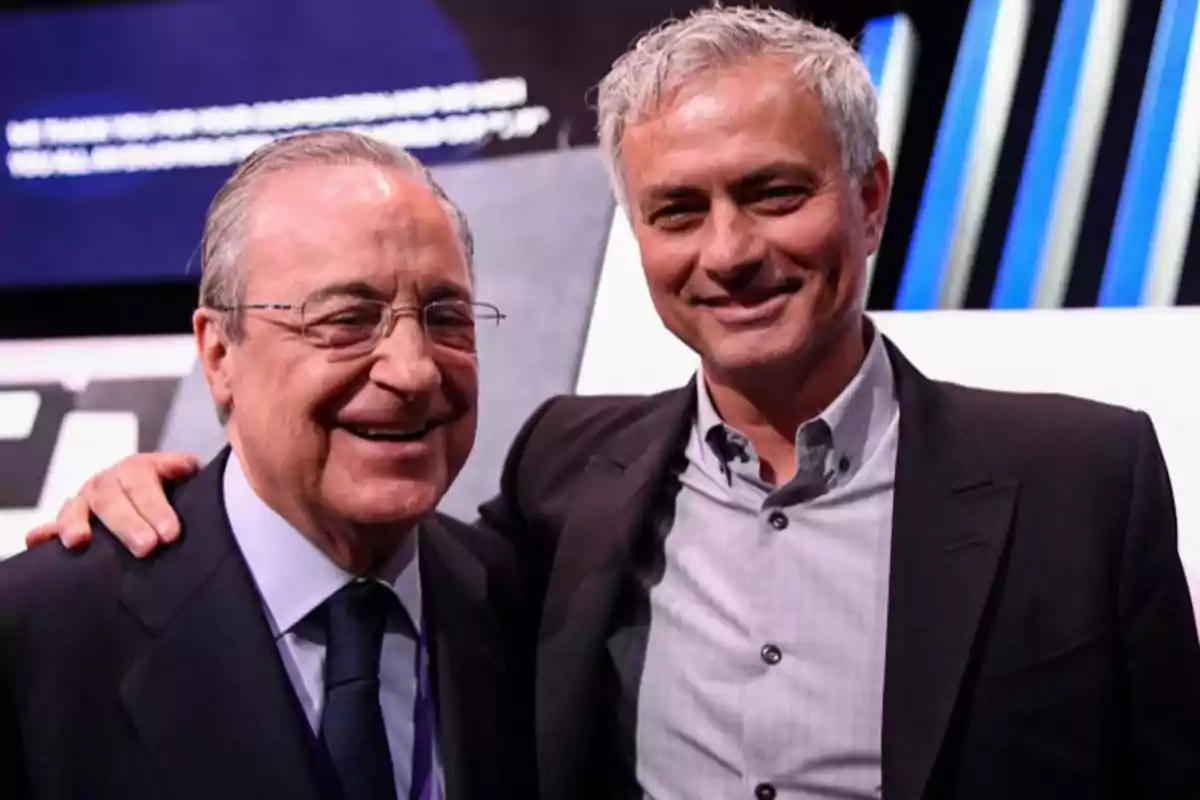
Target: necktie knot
(355, 620)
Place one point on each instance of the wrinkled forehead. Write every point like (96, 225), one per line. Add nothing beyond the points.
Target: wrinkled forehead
(726, 124)
(319, 224)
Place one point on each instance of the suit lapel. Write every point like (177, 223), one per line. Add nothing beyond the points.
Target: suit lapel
(950, 529)
(209, 696)
(609, 507)
(466, 665)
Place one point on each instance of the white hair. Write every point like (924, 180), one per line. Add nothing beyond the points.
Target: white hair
(666, 58)
(222, 282)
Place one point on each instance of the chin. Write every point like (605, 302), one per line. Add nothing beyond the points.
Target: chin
(755, 355)
(385, 501)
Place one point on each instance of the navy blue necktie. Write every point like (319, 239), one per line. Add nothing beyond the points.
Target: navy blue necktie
(352, 727)
(425, 785)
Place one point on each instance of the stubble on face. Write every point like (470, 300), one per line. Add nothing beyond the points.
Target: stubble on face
(753, 237)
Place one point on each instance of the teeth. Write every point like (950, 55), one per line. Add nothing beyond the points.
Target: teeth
(392, 431)
(390, 434)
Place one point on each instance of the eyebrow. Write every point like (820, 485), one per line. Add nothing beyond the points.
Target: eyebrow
(360, 289)
(765, 174)
(447, 290)
(777, 169)
(440, 290)
(664, 191)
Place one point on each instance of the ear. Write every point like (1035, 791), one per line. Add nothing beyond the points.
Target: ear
(213, 346)
(875, 191)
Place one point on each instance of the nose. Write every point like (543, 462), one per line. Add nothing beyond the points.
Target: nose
(404, 360)
(732, 247)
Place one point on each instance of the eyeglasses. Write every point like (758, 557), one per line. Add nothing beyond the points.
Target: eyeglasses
(354, 325)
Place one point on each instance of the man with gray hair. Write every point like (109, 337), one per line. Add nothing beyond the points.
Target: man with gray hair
(319, 631)
(813, 572)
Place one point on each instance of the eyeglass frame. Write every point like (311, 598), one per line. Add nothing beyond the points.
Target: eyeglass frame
(387, 323)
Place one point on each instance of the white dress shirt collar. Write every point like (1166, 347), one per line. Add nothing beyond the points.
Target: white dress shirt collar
(293, 576)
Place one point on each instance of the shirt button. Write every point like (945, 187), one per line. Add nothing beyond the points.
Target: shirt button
(778, 520)
(764, 791)
(771, 655)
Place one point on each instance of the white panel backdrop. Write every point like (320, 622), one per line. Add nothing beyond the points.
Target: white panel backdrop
(87, 441)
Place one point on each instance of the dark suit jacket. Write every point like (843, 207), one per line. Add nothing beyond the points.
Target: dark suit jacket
(150, 679)
(1041, 640)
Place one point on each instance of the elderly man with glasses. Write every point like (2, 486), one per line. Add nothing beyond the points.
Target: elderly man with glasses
(319, 631)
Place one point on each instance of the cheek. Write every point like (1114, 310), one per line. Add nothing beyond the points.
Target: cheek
(460, 382)
(460, 440)
(297, 396)
(813, 236)
(460, 390)
(828, 252)
(665, 259)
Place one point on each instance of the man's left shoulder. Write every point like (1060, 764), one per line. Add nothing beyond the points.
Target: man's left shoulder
(492, 550)
(481, 566)
(1029, 409)
(1017, 426)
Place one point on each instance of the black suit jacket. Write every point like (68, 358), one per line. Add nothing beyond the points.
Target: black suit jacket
(130, 679)
(1041, 641)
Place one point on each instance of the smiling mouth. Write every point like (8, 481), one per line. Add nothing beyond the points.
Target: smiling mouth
(753, 298)
(394, 433)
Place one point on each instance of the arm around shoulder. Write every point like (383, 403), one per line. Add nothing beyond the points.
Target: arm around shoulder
(504, 516)
(503, 513)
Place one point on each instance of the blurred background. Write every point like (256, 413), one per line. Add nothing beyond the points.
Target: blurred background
(1042, 232)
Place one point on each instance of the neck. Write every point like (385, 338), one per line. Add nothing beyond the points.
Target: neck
(358, 548)
(770, 405)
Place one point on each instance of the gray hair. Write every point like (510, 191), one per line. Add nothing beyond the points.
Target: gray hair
(222, 283)
(664, 59)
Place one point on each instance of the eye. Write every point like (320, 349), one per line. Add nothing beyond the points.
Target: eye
(342, 325)
(449, 315)
(353, 316)
(780, 199)
(451, 325)
(677, 216)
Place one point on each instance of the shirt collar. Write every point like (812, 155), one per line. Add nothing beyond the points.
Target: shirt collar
(858, 417)
(293, 576)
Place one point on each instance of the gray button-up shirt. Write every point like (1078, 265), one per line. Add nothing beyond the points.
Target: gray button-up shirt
(763, 659)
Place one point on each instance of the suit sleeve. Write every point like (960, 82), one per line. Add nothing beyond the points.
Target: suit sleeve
(505, 516)
(1158, 634)
(14, 783)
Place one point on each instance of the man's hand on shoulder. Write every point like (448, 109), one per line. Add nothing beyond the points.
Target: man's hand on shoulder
(129, 499)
